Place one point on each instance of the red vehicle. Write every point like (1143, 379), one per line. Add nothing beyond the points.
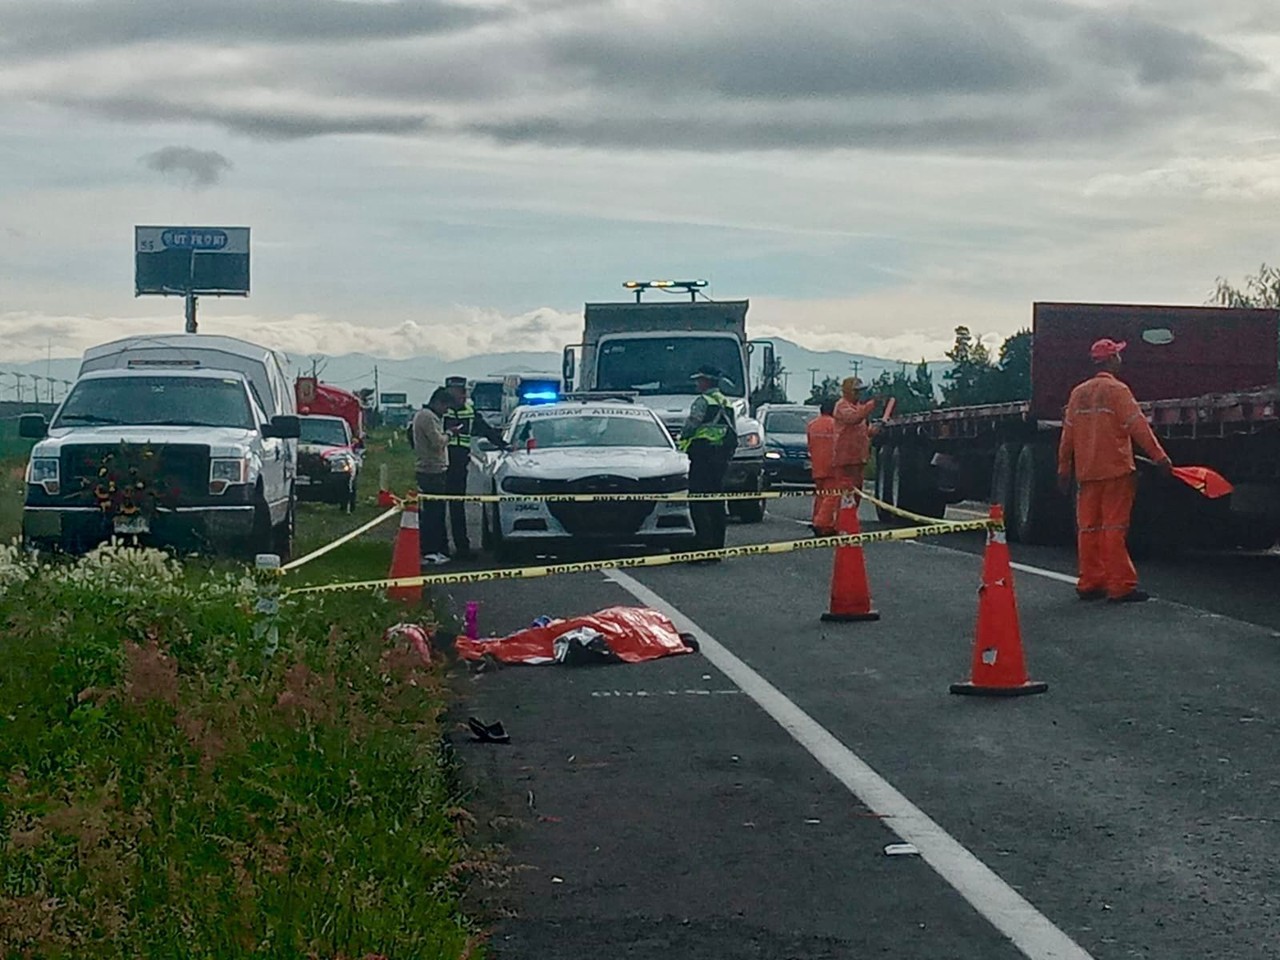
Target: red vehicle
(1207, 379)
(321, 398)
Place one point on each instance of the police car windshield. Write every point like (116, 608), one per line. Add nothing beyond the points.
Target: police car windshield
(153, 401)
(788, 421)
(590, 430)
(324, 433)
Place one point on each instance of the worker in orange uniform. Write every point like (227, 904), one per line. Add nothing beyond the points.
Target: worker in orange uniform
(821, 436)
(1101, 424)
(853, 437)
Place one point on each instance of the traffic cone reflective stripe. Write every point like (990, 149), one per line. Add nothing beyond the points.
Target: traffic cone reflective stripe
(406, 560)
(998, 667)
(850, 593)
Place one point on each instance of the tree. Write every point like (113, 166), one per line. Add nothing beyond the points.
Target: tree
(912, 394)
(829, 388)
(770, 389)
(969, 381)
(1260, 290)
(1015, 367)
(975, 379)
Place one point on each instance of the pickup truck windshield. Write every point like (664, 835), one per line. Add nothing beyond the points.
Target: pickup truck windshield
(324, 433)
(487, 396)
(590, 431)
(157, 401)
(653, 365)
(788, 421)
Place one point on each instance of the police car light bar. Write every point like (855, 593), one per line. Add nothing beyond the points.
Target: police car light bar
(587, 396)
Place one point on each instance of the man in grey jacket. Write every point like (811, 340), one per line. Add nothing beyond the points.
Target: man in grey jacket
(431, 445)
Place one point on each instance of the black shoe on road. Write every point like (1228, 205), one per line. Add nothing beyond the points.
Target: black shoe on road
(1134, 596)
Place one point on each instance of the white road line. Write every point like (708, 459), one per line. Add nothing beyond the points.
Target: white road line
(1024, 567)
(1029, 930)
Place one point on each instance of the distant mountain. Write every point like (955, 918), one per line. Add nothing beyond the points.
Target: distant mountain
(418, 376)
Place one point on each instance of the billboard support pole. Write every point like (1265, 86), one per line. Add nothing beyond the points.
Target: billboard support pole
(191, 312)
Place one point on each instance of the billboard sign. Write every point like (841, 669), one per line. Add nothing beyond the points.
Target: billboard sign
(211, 261)
(393, 399)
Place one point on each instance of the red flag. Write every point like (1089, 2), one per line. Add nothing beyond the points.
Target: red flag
(1202, 480)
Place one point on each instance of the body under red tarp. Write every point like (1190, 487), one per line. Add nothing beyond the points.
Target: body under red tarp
(632, 635)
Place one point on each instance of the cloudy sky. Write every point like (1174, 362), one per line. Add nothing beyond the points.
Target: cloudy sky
(458, 177)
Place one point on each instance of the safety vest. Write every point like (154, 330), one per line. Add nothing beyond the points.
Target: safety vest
(717, 423)
(464, 415)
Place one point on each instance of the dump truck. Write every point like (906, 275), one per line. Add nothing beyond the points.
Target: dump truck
(653, 348)
(1207, 380)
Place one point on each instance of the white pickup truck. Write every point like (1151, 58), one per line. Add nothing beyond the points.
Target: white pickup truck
(174, 452)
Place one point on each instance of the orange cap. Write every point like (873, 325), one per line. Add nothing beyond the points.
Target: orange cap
(1106, 349)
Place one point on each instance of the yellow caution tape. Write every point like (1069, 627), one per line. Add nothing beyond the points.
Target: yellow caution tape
(906, 514)
(344, 539)
(655, 560)
(683, 497)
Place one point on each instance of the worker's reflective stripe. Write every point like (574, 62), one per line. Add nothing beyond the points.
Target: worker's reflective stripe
(714, 432)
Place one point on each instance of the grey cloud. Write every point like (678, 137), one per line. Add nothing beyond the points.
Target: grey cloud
(1159, 55)
(712, 75)
(785, 51)
(67, 25)
(262, 125)
(197, 168)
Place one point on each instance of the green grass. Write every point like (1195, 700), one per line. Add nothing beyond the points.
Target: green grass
(174, 783)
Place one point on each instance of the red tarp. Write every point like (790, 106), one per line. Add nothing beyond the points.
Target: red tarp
(632, 635)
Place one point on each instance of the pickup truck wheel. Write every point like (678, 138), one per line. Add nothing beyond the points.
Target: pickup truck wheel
(1003, 483)
(282, 536)
(262, 539)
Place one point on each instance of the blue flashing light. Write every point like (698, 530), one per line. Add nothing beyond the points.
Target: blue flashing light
(544, 395)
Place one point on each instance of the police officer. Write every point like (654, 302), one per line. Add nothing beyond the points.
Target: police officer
(709, 437)
(461, 422)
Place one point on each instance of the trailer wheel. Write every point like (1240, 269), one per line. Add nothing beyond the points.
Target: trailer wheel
(1002, 482)
(917, 491)
(1039, 512)
(886, 469)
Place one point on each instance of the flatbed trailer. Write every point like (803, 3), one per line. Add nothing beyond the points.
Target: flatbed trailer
(1006, 453)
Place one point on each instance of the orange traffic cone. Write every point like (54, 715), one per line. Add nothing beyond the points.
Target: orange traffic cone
(850, 594)
(999, 669)
(406, 561)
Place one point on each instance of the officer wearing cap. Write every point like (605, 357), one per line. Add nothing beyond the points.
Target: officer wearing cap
(1101, 424)
(709, 437)
(461, 422)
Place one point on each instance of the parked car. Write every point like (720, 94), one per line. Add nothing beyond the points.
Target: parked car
(586, 446)
(183, 456)
(329, 461)
(786, 446)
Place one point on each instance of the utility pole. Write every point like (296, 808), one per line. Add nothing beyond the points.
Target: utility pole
(856, 365)
(813, 376)
(18, 377)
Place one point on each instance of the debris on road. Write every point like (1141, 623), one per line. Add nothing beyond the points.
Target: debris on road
(901, 850)
(625, 634)
(488, 732)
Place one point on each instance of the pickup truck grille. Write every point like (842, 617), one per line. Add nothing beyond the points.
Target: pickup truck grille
(606, 519)
(183, 470)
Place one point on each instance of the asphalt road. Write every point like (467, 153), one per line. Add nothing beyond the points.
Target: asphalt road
(707, 806)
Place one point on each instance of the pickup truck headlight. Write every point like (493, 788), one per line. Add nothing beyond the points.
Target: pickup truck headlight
(342, 463)
(224, 472)
(748, 441)
(773, 453)
(44, 471)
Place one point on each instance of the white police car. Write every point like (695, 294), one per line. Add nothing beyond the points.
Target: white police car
(586, 444)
